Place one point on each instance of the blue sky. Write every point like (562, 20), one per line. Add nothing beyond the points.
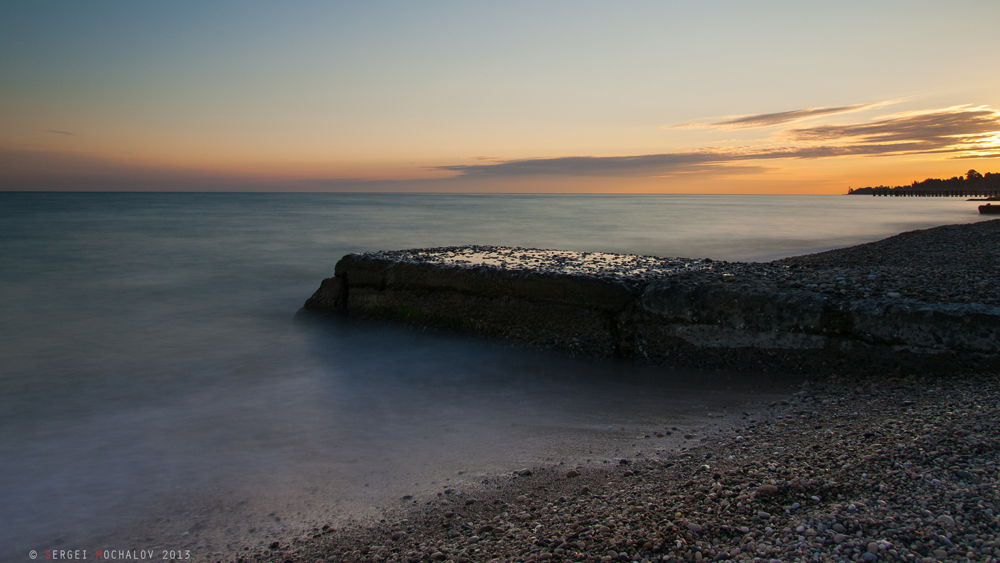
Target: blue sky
(427, 96)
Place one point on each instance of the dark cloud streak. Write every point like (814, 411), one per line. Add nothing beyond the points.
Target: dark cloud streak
(960, 131)
(771, 119)
(937, 128)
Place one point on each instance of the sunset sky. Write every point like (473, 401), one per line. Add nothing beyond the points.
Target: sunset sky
(629, 97)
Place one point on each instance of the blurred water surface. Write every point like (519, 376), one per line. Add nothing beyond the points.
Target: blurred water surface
(151, 374)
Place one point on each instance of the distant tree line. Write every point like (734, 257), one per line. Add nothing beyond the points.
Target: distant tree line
(972, 181)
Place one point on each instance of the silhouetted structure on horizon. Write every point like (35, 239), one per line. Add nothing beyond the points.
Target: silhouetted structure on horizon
(973, 184)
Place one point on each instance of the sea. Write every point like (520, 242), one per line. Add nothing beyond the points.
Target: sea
(157, 392)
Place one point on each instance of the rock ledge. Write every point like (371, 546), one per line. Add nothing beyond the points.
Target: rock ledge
(699, 312)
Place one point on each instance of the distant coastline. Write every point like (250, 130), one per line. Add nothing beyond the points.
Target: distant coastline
(972, 184)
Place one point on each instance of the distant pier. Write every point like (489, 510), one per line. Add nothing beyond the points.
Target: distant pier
(921, 192)
(973, 184)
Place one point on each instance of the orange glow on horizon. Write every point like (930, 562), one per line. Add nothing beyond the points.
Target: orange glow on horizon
(779, 176)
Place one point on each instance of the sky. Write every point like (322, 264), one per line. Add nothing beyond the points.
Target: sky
(611, 97)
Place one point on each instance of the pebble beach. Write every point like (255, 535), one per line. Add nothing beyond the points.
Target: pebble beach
(858, 467)
(844, 470)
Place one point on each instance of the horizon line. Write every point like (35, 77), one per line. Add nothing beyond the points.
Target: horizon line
(387, 192)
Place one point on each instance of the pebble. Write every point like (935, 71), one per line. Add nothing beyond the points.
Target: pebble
(943, 264)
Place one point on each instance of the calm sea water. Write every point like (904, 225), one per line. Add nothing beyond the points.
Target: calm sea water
(155, 391)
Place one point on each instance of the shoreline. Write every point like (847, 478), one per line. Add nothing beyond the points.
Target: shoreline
(876, 469)
(619, 409)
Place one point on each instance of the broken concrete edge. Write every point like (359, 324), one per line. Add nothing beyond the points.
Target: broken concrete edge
(690, 319)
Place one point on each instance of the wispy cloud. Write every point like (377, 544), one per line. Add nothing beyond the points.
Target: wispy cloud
(771, 119)
(935, 129)
(642, 165)
(959, 132)
(59, 132)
